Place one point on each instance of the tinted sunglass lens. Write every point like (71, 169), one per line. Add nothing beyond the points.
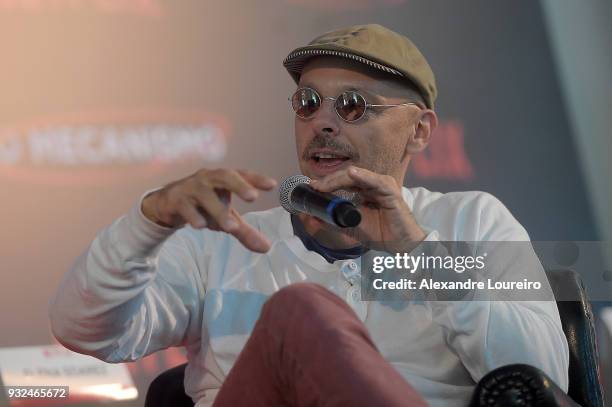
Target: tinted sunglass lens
(305, 102)
(350, 106)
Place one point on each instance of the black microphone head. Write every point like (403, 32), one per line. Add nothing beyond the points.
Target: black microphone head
(287, 187)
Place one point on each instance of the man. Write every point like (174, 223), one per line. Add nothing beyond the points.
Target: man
(364, 108)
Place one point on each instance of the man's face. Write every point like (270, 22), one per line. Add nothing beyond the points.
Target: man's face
(376, 142)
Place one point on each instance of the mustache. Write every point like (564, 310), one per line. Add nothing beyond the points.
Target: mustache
(331, 143)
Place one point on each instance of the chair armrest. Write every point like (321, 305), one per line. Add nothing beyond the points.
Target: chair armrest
(519, 385)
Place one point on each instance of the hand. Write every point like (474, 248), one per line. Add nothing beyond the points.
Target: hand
(203, 200)
(387, 222)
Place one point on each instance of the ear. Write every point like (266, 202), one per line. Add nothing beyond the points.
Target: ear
(424, 127)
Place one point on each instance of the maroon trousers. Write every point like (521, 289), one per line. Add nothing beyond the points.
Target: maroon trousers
(309, 348)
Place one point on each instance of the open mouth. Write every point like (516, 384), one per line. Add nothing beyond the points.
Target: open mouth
(329, 158)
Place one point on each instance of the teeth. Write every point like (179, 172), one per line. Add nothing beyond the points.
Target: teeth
(323, 155)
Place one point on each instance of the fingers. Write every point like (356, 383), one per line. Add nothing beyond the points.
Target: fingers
(223, 218)
(203, 200)
(230, 222)
(191, 215)
(215, 209)
(242, 183)
(258, 181)
(359, 179)
(250, 237)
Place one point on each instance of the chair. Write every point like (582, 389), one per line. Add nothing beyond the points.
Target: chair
(515, 385)
(512, 385)
(168, 389)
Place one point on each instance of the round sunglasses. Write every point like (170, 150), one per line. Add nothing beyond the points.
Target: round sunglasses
(350, 106)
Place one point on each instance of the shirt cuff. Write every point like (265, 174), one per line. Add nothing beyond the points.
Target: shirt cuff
(140, 235)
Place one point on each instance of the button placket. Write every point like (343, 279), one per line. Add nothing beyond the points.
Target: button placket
(353, 298)
(351, 272)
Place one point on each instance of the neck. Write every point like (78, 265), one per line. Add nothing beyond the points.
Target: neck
(327, 235)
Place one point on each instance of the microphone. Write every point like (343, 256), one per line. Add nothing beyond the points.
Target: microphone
(297, 196)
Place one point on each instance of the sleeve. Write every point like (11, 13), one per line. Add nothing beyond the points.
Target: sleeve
(490, 333)
(138, 288)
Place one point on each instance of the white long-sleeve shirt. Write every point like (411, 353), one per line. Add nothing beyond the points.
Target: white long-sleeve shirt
(141, 287)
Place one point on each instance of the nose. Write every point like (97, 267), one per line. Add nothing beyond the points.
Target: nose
(326, 121)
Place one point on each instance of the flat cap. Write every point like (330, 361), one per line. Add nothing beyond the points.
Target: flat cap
(375, 46)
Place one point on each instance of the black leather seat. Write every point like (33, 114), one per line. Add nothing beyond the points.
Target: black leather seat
(168, 389)
(512, 385)
(523, 385)
(579, 327)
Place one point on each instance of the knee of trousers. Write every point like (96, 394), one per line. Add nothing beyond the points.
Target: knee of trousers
(301, 301)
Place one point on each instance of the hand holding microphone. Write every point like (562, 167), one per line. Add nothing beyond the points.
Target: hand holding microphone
(296, 195)
(386, 221)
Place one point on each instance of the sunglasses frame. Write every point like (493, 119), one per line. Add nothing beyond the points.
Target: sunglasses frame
(321, 99)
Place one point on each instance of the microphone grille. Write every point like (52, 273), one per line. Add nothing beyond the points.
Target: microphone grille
(287, 187)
